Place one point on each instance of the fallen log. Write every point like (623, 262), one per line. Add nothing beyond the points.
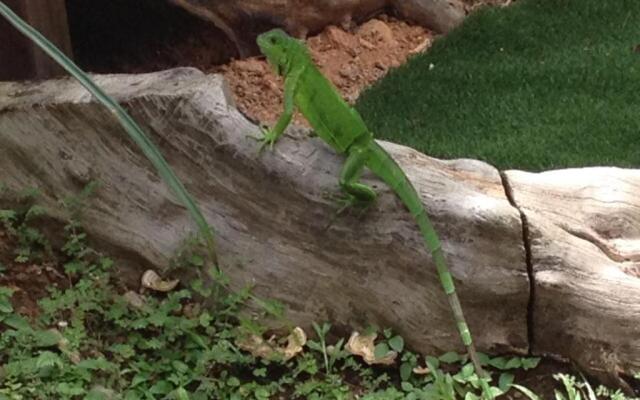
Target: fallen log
(270, 211)
(578, 244)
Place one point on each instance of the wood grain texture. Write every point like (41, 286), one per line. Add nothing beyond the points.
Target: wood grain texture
(584, 235)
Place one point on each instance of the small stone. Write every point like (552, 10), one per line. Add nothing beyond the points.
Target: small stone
(376, 31)
(347, 72)
(424, 45)
(337, 36)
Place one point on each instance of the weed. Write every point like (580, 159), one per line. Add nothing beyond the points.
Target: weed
(32, 245)
(92, 341)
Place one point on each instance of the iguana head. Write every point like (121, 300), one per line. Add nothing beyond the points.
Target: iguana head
(280, 49)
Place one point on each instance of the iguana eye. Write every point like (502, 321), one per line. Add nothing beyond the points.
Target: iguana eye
(273, 40)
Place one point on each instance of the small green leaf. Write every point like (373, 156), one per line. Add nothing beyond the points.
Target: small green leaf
(432, 362)
(405, 371)
(483, 358)
(260, 372)
(196, 260)
(505, 381)
(467, 371)
(450, 357)
(47, 338)
(7, 215)
(48, 359)
(17, 322)
(527, 392)
(406, 386)
(558, 395)
(95, 364)
(514, 363)
(180, 394)
(396, 343)
(531, 362)
(34, 211)
(5, 306)
(498, 362)
(262, 393)
(381, 350)
(495, 392)
(123, 350)
(205, 319)
(69, 390)
(161, 387)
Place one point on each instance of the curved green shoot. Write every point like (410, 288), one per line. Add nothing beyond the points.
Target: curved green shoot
(134, 131)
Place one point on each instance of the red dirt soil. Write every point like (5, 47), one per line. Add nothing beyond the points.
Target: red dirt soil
(352, 59)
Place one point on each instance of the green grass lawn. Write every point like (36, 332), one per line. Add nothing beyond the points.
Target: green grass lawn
(538, 85)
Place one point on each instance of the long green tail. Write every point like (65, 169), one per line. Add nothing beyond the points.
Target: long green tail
(381, 164)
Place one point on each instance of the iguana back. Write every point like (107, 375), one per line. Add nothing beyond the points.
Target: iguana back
(330, 116)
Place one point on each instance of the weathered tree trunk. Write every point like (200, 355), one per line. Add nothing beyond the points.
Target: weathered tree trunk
(578, 248)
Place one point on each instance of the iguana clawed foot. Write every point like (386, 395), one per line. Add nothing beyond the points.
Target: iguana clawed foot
(346, 202)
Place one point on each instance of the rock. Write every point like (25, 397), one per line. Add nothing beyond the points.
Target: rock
(376, 31)
(338, 37)
(584, 236)
(439, 15)
(270, 210)
(348, 71)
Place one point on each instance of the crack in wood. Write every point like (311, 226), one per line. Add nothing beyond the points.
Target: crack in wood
(508, 191)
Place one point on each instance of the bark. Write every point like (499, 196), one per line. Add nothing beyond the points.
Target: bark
(270, 210)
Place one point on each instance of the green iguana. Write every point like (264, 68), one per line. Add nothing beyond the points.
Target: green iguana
(343, 129)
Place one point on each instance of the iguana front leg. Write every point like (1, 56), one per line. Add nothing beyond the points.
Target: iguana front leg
(270, 136)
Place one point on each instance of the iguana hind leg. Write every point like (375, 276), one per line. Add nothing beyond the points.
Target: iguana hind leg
(356, 193)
